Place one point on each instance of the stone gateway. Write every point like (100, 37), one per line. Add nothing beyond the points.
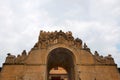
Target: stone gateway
(59, 56)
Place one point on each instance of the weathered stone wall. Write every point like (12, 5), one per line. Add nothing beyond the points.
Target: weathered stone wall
(10, 72)
(98, 72)
(107, 72)
(37, 72)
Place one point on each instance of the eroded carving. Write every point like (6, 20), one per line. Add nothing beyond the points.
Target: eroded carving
(21, 58)
(103, 60)
(85, 47)
(12, 59)
(50, 38)
(78, 42)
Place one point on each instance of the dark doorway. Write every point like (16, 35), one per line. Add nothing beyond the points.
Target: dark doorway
(61, 57)
(55, 78)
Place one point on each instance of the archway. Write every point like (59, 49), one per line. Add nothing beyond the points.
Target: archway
(64, 58)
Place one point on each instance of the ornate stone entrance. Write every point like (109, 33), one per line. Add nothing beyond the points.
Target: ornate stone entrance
(55, 52)
(62, 57)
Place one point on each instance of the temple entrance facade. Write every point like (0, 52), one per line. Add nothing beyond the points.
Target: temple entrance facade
(59, 56)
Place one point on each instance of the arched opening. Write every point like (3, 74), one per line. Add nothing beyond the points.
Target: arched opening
(60, 59)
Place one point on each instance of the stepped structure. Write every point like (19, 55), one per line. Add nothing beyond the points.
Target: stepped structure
(59, 56)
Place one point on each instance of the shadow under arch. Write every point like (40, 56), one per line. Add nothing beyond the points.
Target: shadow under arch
(61, 57)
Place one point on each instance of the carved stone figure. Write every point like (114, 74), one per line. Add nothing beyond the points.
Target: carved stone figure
(85, 46)
(24, 53)
(78, 42)
(10, 58)
(109, 59)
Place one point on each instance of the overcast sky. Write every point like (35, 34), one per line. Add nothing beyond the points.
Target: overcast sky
(96, 22)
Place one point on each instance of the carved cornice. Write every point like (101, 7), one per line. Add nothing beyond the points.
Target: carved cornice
(51, 38)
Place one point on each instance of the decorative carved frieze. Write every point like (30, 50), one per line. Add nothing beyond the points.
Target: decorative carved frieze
(51, 38)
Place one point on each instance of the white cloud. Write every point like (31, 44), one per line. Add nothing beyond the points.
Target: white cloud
(104, 10)
(95, 22)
